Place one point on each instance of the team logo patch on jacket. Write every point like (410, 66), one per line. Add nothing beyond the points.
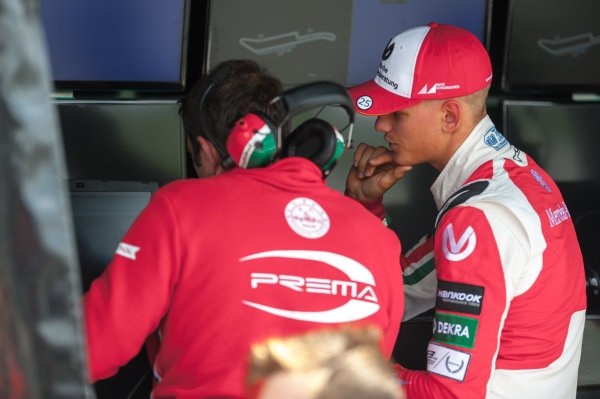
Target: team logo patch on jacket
(458, 250)
(307, 218)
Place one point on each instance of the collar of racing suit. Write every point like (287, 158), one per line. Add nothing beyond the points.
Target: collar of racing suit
(472, 153)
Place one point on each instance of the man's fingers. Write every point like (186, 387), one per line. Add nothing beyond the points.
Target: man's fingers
(369, 160)
(400, 171)
(359, 152)
(361, 160)
(393, 175)
(380, 156)
(363, 156)
(373, 172)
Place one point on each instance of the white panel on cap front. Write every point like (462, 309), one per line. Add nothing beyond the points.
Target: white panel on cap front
(397, 72)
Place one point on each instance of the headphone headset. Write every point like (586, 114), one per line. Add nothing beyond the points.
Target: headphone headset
(255, 141)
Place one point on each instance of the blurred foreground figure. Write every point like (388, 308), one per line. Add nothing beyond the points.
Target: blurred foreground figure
(345, 363)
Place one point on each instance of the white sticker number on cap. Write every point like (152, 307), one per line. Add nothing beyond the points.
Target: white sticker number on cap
(364, 102)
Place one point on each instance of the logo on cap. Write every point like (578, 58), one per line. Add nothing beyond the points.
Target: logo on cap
(388, 50)
(436, 87)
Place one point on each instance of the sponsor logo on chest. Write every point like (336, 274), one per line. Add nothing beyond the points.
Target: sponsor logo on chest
(558, 215)
(540, 180)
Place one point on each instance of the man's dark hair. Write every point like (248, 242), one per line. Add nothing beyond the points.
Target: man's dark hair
(249, 88)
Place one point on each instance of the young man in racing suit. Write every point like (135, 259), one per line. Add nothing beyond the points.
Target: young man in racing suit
(215, 264)
(503, 267)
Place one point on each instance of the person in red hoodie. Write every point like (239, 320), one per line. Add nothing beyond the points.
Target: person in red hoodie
(251, 250)
(503, 268)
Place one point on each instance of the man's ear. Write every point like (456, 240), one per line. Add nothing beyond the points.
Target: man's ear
(193, 150)
(451, 116)
(211, 160)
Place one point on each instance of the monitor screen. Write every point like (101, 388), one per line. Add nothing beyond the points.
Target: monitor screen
(113, 44)
(137, 140)
(102, 213)
(552, 47)
(337, 40)
(563, 139)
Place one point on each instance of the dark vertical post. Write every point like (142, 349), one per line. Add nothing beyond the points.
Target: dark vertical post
(41, 341)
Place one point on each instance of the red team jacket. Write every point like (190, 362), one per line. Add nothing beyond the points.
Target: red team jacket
(216, 264)
(505, 274)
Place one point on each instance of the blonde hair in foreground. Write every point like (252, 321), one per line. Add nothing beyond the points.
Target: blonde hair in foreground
(324, 364)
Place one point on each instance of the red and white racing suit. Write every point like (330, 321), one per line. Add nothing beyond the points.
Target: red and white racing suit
(219, 263)
(509, 284)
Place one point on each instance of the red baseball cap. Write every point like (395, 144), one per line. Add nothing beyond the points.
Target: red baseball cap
(426, 62)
